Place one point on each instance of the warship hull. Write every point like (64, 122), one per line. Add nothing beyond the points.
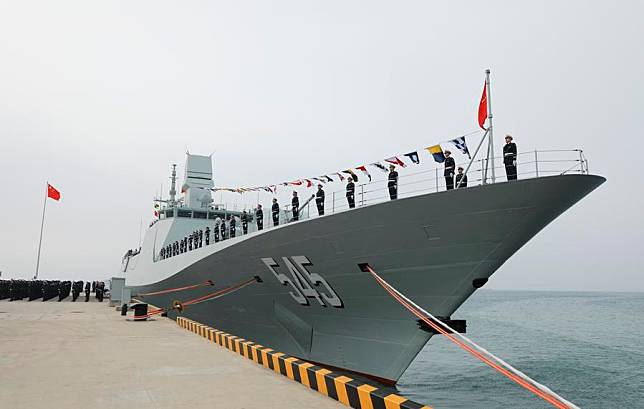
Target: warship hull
(314, 302)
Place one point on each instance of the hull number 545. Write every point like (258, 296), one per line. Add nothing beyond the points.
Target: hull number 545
(305, 284)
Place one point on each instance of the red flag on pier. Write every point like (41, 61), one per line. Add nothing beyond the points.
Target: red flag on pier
(52, 192)
(483, 107)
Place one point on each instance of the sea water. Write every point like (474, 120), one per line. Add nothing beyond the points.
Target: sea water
(587, 347)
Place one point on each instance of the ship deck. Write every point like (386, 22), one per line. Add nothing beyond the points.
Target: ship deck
(77, 355)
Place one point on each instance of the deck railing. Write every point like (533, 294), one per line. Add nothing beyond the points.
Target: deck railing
(531, 164)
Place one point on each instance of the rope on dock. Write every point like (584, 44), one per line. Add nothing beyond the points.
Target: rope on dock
(471, 347)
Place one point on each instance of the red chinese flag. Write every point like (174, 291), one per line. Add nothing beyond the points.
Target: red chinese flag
(52, 192)
(483, 108)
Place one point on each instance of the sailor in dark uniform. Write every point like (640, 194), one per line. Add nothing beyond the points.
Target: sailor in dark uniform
(190, 242)
(259, 216)
(450, 167)
(319, 200)
(87, 290)
(351, 193)
(244, 221)
(162, 253)
(392, 182)
(295, 206)
(222, 228)
(75, 291)
(275, 211)
(100, 290)
(233, 226)
(207, 235)
(200, 238)
(510, 158)
(215, 230)
(461, 176)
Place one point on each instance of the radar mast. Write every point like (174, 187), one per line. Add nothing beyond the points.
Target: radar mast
(173, 179)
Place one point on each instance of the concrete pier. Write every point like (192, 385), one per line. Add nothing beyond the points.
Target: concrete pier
(77, 355)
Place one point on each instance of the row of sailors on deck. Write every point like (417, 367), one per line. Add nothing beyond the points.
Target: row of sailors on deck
(222, 230)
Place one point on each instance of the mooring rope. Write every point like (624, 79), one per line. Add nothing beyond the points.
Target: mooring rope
(173, 290)
(180, 305)
(221, 293)
(471, 347)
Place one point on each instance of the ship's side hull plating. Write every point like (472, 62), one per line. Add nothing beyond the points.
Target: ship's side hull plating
(315, 303)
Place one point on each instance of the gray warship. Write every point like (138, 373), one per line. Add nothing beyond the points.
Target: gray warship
(310, 298)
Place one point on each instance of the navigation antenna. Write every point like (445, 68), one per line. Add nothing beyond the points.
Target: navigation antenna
(173, 179)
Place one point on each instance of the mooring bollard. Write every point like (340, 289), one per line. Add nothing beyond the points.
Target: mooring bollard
(140, 311)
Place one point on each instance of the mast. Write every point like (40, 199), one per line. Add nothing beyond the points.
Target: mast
(173, 191)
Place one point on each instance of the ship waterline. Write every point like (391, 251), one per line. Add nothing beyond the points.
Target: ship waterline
(314, 302)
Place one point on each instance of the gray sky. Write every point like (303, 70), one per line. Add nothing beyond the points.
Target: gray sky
(101, 97)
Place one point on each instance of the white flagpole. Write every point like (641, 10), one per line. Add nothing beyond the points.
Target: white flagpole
(490, 128)
(42, 224)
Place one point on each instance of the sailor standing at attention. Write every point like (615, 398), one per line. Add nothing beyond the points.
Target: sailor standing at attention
(244, 221)
(259, 215)
(461, 176)
(215, 229)
(450, 167)
(295, 205)
(222, 229)
(207, 235)
(510, 158)
(351, 192)
(275, 211)
(233, 226)
(392, 183)
(319, 200)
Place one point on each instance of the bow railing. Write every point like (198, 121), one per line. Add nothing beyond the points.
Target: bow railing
(532, 164)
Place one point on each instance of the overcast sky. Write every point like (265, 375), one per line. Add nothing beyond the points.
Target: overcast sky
(100, 98)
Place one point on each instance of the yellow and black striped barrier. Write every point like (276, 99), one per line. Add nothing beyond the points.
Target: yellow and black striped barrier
(342, 388)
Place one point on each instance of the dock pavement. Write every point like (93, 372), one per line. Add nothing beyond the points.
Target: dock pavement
(86, 355)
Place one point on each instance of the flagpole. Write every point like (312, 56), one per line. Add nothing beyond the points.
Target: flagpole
(42, 225)
(490, 151)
